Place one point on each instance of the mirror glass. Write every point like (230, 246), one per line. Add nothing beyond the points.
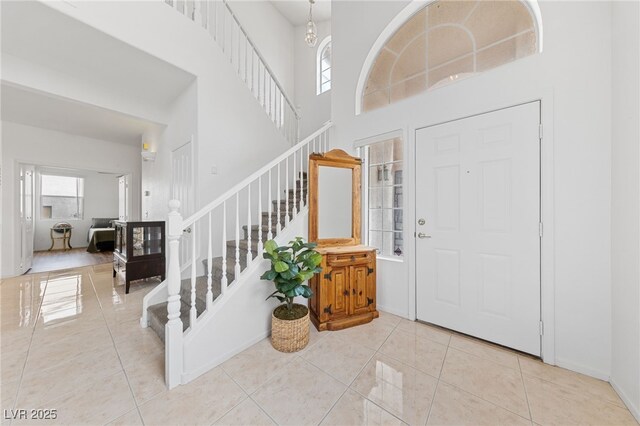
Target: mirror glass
(334, 202)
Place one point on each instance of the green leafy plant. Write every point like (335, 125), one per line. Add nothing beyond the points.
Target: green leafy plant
(291, 266)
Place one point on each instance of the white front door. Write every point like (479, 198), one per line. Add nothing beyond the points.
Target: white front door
(478, 230)
(26, 205)
(182, 189)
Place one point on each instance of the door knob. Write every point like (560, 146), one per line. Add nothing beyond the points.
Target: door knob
(422, 235)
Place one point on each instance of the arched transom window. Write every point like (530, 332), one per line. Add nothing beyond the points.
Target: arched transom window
(445, 41)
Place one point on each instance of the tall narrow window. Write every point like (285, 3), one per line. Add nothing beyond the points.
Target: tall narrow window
(384, 196)
(324, 66)
(61, 197)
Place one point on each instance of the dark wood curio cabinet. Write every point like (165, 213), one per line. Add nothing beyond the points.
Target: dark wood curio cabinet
(139, 251)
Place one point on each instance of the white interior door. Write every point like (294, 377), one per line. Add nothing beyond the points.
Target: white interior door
(26, 205)
(124, 204)
(478, 251)
(182, 189)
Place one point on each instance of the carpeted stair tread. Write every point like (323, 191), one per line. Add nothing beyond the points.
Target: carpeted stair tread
(158, 317)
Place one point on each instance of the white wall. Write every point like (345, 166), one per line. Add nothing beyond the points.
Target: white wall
(273, 36)
(100, 200)
(44, 79)
(573, 74)
(625, 204)
(179, 131)
(315, 110)
(32, 145)
(226, 120)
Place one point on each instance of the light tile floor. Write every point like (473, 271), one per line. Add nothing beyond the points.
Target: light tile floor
(71, 341)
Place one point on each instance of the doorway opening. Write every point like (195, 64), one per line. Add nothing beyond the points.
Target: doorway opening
(73, 215)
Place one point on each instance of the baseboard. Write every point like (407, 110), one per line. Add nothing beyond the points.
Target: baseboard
(392, 311)
(635, 410)
(194, 374)
(582, 369)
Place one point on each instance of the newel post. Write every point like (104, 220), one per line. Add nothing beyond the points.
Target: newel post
(173, 328)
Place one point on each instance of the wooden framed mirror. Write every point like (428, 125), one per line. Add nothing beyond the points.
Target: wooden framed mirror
(334, 198)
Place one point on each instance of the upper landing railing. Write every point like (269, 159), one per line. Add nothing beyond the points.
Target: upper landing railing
(222, 24)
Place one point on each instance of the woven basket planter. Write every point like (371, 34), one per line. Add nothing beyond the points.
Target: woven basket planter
(289, 335)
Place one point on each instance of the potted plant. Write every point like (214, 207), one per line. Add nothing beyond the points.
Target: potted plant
(291, 266)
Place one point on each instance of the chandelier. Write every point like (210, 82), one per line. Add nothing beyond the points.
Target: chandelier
(311, 36)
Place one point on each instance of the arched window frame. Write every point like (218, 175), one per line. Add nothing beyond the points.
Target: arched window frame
(321, 48)
(401, 18)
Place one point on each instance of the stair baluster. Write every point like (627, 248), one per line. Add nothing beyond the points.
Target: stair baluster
(197, 13)
(209, 264)
(239, 32)
(192, 312)
(279, 217)
(260, 245)
(246, 45)
(223, 281)
(286, 191)
(270, 221)
(249, 255)
(300, 178)
(237, 269)
(224, 31)
(295, 185)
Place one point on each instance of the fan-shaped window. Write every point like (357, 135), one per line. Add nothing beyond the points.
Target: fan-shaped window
(324, 66)
(445, 41)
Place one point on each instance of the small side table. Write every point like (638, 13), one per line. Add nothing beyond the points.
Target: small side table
(61, 231)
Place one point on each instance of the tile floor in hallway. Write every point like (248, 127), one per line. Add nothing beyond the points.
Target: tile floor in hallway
(71, 341)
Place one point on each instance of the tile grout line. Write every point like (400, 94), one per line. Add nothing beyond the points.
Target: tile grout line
(569, 388)
(435, 392)
(262, 409)
(115, 347)
(235, 405)
(524, 387)
(248, 396)
(482, 398)
(409, 365)
(337, 399)
(348, 387)
(376, 352)
(468, 352)
(453, 385)
(479, 396)
(33, 331)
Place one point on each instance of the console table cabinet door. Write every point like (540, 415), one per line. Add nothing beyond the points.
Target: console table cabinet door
(338, 293)
(345, 290)
(359, 292)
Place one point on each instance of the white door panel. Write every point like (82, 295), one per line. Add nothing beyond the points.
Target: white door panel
(182, 189)
(27, 203)
(478, 189)
(124, 197)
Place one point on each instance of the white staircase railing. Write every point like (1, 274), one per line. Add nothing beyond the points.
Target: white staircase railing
(282, 178)
(222, 24)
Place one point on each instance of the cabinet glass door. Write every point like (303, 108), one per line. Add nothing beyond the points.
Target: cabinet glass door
(147, 240)
(121, 240)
